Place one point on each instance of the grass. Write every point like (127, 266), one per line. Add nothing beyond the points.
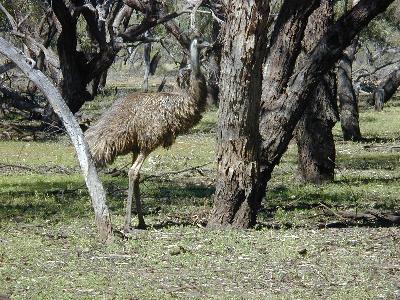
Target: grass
(49, 249)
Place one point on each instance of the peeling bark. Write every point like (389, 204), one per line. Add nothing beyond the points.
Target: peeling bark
(238, 193)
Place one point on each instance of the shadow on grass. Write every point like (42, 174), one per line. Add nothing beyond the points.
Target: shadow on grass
(387, 161)
(379, 140)
(364, 181)
(338, 194)
(69, 200)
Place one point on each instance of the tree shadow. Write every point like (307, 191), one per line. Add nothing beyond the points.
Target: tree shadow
(24, 202)
(379, 140)
(389, 161)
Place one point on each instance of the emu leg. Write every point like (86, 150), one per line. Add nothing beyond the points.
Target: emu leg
(133, 175)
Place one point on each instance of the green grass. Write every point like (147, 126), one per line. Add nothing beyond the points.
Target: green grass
(49, 248)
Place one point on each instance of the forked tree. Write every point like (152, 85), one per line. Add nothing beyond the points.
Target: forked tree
(250, 170)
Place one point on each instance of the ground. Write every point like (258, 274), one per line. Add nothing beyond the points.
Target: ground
(49, 248)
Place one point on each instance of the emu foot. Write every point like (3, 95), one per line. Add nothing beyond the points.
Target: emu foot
(139, 227)
(130, 232)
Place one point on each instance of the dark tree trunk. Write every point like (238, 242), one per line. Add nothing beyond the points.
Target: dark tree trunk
(73, 85)
(386, 89)
(285, 48)
(316, 147)
(349, 117)
(238, 194)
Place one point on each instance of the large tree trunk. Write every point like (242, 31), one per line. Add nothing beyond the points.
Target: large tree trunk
(386, 89)
(96, 190)
(238, 194)
(316, 147)
(349, 117)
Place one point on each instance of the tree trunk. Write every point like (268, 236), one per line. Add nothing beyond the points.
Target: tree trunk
(284, 52)
(386, 89)
(96, 190)
(349, 117)
(238, 194)
(316, 147)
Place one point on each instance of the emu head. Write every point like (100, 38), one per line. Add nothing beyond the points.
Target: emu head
(186, 68)
(199, 43)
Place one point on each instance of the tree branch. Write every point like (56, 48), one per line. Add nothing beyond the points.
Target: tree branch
(10, 18)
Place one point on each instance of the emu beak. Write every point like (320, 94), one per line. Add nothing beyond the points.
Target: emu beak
(205, 45)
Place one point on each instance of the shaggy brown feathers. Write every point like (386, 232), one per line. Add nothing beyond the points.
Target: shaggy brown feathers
(141, 122)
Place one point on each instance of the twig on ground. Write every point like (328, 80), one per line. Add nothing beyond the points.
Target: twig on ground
(331, 210)
(195, 168)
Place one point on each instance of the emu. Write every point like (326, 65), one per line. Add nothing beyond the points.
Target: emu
(141, 122)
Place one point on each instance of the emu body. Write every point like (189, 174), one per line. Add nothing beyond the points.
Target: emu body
(140, 122)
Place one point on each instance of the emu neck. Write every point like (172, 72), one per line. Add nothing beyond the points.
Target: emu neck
(198, 86)
(195, 61)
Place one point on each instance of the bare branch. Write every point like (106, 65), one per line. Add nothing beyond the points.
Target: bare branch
(124, 13)
(366, 73)
(10, 18)
(196, 4)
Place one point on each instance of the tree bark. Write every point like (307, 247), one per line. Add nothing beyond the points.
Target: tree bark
(96, 190)
(285, 48)
(316, 147)
(386, 89)
(238, 193)
(349, 116)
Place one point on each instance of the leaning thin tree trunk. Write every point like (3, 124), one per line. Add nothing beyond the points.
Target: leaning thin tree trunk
(238, 194)
(349, 116)
(96, 190)
(316, 147)
(386, 89)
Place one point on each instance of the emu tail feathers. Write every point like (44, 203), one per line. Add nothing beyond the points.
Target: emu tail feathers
(101, 146)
